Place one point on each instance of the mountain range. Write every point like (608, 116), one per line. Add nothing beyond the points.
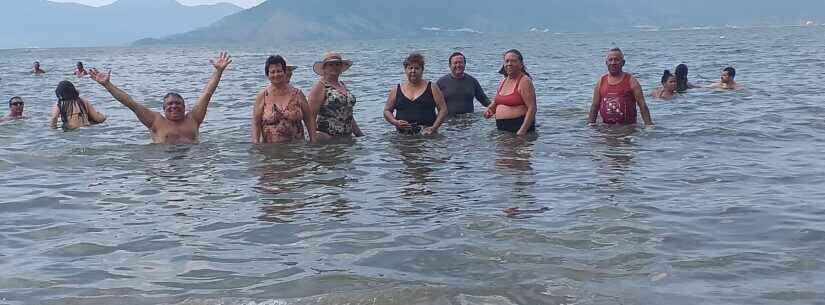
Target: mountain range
(41, 23)
(281, 20)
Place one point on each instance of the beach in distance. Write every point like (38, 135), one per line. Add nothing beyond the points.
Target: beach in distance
(719, 203)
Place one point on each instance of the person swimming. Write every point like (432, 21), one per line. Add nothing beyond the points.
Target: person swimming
(281, 111)
(72, 110)
(411, 105)
(668, 88)
(514, 111)
(726, 80)
(617, 94)
(682, 83)
(36, 70)
(79, 70)
(16, 106)
(174, 126)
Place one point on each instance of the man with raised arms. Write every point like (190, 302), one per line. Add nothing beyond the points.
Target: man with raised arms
(173, 126)
(617, 94)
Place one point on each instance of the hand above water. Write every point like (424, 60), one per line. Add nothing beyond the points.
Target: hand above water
(429, 131)
(402, 124)
(101, 78)
(221, 62)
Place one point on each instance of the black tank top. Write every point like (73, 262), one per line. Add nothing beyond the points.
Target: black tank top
(420, 111)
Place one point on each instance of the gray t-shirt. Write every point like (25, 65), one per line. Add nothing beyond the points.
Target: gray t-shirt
(459, 93)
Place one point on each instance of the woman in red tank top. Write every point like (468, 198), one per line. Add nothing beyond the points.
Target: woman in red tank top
(515, 104)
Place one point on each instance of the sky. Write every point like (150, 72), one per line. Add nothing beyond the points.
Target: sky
(241, 3)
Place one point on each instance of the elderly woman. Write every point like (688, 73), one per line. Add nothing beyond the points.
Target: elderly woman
(73, 110)
(411, 105)
(281, 111)
(515, 104)
(331, 100)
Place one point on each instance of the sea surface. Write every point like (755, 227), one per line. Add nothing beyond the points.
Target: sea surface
(722, 202)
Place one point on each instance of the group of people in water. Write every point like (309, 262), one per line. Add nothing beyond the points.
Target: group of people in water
(283, 112)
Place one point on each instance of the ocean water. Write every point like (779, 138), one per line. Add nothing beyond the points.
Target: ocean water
(722, 202)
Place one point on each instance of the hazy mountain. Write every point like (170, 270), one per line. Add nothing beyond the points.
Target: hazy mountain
(40, 23)
(279, 20)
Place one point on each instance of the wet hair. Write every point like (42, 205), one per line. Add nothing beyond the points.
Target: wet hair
(80, 64)
(11, 100)
(520, 58)
(616, 49)
(681, 78)
(450, 60)
(274, 60)
(414, 58)
(67, 99)
(731, 71)
(666, 76)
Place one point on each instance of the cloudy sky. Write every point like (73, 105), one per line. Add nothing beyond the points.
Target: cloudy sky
(241, 3)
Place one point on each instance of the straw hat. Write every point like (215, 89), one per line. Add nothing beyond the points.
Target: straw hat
(330, 57)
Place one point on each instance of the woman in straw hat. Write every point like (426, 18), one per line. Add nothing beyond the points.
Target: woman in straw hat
(331, 100)
(281, 111)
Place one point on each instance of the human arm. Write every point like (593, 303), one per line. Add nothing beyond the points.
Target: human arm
(146, 116)
(441, 105)
(491, 109)
(640, 101)
(53, 117)
(95, 117)
(480, 95)
(309, 117)
(595, 104)
(528, 93)
(389, 107)
(257, 114)
(220, 64)
(355, 129)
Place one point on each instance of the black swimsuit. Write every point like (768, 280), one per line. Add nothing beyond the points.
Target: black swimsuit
(419, 113)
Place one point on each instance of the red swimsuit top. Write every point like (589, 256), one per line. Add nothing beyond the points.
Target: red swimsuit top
(513, 99)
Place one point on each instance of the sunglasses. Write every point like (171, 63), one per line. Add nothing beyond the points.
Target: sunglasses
(17, 104)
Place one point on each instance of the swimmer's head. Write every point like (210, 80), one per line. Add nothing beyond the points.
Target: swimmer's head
(16, 105)
(728, 74)
(615, 61)
(668, 81)
(174, 108)
(681, 77)
(513, 61)
(79, 65)
(66, 91)
(414, 67)
(276, 69)
(457, 64)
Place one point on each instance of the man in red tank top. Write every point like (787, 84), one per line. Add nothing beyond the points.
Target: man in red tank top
(617, 94)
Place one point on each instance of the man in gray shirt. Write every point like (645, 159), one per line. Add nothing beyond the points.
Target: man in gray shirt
(460, 88)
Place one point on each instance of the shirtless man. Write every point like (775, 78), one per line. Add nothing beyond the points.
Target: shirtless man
(173, 126)
(36, 70)
(16, 105)
(617, 94)
(726, 81)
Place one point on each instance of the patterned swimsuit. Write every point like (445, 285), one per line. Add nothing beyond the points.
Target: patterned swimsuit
(280, 125)
(335, 115)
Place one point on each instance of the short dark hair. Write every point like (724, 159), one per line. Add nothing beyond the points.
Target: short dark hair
(414, 58)
(450, 60)
(15, 98)
(731, 71)
(274, 60)
(173, 94)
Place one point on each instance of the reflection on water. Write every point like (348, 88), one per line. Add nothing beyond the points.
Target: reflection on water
(720, 203)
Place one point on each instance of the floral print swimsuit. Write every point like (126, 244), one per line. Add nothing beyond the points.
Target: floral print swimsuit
(280, 125)
(335, 115)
